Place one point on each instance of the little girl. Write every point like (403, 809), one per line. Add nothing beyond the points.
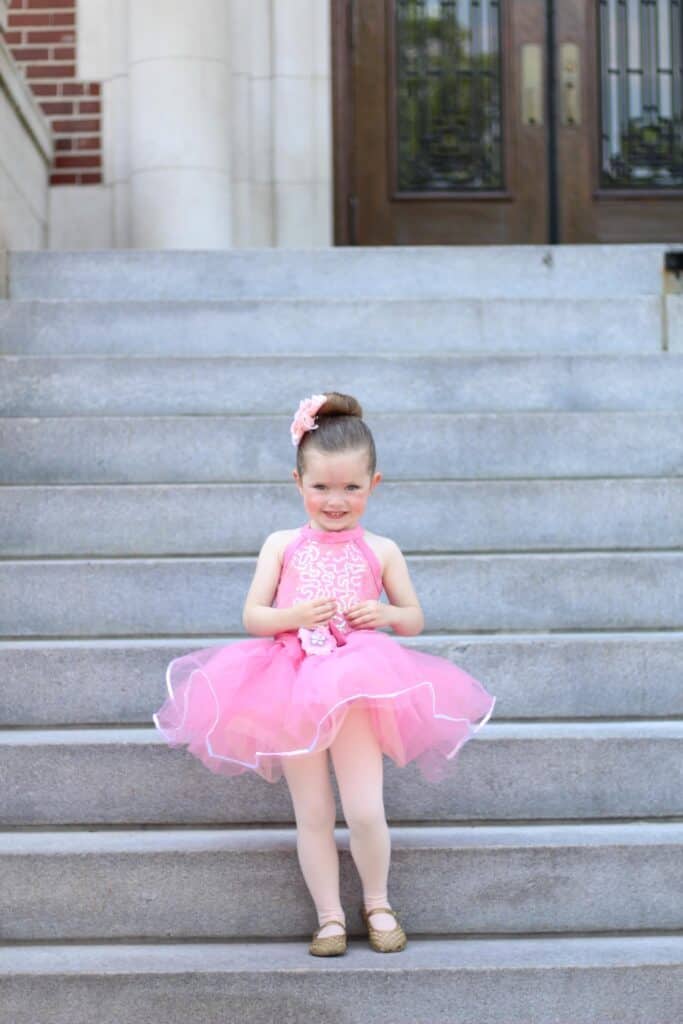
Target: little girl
(321, 676)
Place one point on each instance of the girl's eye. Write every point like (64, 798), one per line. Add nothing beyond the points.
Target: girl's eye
(351, 487)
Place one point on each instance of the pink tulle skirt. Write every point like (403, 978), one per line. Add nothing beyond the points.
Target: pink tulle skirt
(247, 705)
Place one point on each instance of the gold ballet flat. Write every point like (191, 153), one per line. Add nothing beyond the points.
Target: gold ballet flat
(384, 940)
(329, 945)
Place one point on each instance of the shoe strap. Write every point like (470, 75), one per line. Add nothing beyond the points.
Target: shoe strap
(381, 910)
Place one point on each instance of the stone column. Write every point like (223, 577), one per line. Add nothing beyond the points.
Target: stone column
(302, 123)
(179, 108)
(96, 216)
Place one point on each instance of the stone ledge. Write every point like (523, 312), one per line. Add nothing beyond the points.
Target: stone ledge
(13, 84)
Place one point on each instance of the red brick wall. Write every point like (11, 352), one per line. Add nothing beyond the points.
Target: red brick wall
(41, 35)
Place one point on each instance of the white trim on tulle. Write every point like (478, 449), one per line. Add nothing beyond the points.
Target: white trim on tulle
(308, 750)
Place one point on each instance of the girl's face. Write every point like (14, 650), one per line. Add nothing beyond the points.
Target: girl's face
(335, 487)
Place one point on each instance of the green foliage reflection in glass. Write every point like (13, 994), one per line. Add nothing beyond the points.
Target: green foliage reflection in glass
(448, 95)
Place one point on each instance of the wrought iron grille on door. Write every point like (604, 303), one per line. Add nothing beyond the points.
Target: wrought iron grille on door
(641, 60)
(447, 117)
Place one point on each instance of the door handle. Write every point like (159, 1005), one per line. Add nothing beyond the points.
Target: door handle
(532, 84)
(570, 85)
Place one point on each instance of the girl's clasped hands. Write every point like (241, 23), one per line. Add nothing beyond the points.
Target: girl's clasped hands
(364, 615)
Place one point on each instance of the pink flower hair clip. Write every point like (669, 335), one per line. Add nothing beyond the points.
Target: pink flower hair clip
(304, 418)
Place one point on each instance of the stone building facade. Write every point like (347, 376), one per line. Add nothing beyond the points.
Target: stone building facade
(215, 130)
(162, 124)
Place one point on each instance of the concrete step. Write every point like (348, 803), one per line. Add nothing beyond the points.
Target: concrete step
(162, 386)
(217, 519)
(596, 979)
(531, 271)
(184, 596)
(349, 326)
(507, 772)
(506, 880)
(601, 675)
(174, 449)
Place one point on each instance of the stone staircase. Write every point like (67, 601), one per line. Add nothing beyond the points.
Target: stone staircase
(527, 405)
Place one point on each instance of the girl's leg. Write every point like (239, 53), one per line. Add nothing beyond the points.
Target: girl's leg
(357, 760)
(308, 779)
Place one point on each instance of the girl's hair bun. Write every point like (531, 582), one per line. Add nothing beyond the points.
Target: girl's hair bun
(338, 404)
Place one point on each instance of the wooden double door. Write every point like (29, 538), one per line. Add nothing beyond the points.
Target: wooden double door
(508, 121)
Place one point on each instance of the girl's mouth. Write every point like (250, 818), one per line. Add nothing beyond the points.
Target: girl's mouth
(335, 515)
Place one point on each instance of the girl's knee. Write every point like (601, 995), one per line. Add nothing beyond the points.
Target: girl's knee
(316, 818)
(365, 817)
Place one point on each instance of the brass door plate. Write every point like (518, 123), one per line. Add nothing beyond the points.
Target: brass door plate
(532, 84)
(570, 85)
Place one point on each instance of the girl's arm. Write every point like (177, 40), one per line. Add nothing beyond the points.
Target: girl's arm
(404, 612)
(258, 617)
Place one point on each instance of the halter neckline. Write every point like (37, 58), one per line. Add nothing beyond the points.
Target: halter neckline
(334, 536)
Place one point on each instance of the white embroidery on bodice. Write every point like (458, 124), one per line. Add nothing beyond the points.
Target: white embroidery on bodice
(329, 570)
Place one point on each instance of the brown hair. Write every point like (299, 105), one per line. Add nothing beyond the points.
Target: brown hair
(340, 428)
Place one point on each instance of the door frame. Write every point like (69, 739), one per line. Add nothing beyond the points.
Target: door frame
(588, 212)
(343, 46)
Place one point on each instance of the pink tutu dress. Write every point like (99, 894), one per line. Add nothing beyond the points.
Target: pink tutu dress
(249, 704)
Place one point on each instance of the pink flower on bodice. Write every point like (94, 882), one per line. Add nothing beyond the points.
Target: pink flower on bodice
(316, 641)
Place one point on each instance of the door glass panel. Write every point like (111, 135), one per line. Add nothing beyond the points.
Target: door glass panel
(448, 95)
(641, 56)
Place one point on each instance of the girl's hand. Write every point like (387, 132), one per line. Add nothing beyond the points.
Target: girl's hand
(368, 615)
(317, 612)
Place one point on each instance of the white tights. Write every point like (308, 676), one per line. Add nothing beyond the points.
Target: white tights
(357, 761)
